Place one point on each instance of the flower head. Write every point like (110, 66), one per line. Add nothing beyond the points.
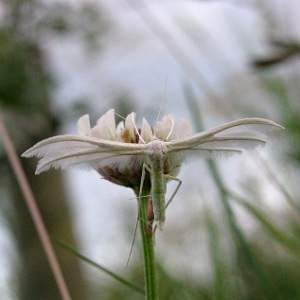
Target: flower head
(129, 174)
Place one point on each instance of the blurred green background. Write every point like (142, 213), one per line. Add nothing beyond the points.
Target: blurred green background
(233, 229)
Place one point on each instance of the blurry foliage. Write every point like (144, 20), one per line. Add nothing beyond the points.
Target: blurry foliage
(25, 103)
(24, 90)
(289, 111)
(20, 62)
(25, 83)
(110, 290)
(87, 21)
(123, 105)
(284, 50)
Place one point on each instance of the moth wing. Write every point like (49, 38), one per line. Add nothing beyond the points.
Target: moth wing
(85, 152)
(225, 140)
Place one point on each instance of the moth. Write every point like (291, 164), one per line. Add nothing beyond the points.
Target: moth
(153, 156)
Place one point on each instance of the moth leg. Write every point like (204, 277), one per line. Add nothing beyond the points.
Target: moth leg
(133, 237)
(138, 214)
(179, 183)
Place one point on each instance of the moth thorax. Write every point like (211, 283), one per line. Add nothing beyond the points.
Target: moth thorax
(156, 150)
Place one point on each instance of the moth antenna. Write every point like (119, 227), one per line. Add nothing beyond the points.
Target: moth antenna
(132, 121)
(116, 114)
(106, 106)
(119, 115)
(163, 100)
(136, 130)
(171, 131)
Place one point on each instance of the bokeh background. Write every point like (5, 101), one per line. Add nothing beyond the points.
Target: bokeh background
(233, 229)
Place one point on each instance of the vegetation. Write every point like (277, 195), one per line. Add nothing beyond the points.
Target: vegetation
(233, 238)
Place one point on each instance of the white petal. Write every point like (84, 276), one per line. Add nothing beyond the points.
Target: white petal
(106, 127)
(183, 128)
(120, 127)
(84, 126)
(164, 128)
(146, 132)
(130, 125)
(130, 121)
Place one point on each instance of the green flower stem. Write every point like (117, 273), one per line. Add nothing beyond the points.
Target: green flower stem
(151, 287)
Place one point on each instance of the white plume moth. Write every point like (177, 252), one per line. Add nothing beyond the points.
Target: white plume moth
(159, 157)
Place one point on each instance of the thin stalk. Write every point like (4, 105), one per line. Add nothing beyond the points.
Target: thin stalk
(34, 212)
(151, 287)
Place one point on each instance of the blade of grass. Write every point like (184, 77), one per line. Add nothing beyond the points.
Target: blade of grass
(99, 267)
(281, 237)
(262, 279)
(221, 289)
(264, 166)
(240, 240)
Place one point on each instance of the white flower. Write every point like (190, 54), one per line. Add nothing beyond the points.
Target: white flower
(121, 169)
(104, 129)
(146, 132)
(168, 129)
(84, 126)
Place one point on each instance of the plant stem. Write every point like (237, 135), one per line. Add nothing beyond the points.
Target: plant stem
(34, 212)
(151, 287)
